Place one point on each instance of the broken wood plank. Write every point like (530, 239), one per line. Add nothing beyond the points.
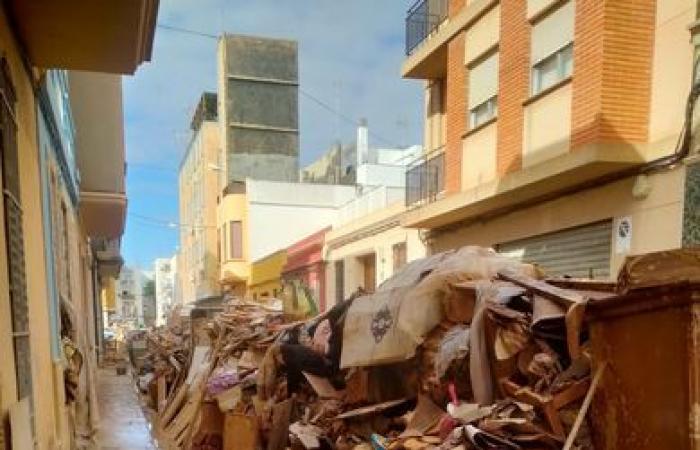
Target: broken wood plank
(371, 409)
(161, 387)
(323, 387)
(584, 407)
(426, 415)
(564, 297)
(240, 432)
(281, 415)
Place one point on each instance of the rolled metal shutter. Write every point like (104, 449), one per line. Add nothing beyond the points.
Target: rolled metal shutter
(581, 252)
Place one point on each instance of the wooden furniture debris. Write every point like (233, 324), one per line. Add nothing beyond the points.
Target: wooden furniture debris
(371, 409)
(241, 432)
(584, 407)
(323, 387)
(281, 416)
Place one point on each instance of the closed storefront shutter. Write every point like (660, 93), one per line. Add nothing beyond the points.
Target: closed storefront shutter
(581, 252)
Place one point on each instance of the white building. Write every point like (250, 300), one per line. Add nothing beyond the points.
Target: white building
(130, 295)
(164, 276)
(367, 243)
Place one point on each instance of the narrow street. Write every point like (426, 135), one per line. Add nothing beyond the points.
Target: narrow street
(360, 225)
(123, 425)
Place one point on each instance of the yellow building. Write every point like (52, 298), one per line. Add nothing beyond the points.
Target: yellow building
(198, 265)
(60, 233)
(266, 275)
(258, 218)
(544, 129)
(234, 246)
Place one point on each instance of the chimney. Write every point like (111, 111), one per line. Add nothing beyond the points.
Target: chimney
(362, 142)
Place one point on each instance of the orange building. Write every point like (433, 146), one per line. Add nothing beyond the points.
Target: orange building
(542, 120)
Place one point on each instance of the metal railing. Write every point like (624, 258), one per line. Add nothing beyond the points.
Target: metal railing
(425, 178)
(422, 19)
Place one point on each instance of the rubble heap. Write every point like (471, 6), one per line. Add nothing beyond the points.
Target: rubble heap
(465, 349)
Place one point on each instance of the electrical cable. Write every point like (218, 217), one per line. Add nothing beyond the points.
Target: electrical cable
(167, 223)
(306, 94)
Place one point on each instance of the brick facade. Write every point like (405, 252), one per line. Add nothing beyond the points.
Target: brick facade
(513, 84)
(454, 7)
(607, 105)
(456, 113)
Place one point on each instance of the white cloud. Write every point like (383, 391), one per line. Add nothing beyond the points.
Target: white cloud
(350, 55)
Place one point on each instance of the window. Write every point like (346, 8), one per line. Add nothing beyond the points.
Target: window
(15, 236)
(553, 69)
(224, 242)
(483, 112)
(399, 255)
(65, 253)
(218, 245)
(235, 240)
(552, 48)
(435, 125)
(483, 91)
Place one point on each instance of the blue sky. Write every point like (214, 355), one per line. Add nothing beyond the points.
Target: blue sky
(350, 53)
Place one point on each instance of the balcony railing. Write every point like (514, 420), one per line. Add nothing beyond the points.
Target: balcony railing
(422, 19)
(425, 178)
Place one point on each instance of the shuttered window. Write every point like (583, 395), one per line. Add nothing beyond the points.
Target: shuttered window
(582, 252)
(14, 234)
(552, 48)
(399, 256)
(236, 240)
(483, 91)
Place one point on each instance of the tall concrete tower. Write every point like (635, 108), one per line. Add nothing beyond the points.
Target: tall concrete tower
(259, 108)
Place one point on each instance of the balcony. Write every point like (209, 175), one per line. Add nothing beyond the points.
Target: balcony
(425, 179)
(429, 30)
(113, 36)
(424, 17)
(96, 104)
(375, 199)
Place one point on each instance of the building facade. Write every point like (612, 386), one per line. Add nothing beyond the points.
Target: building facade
(257, 218)
(366, 248)
(54, 251)
(305, 266)
(258, 108)
(199, 183)
(164, 278)
(129, 301)
(545, 124)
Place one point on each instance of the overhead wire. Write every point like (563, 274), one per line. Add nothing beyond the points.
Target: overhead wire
(303, 92)
(167, 223)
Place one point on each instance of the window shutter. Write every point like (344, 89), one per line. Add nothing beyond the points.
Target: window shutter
(236, 239)
(14, 235)
(553, 32)
(483, 81)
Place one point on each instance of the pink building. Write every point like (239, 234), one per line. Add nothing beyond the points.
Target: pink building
(305, 263)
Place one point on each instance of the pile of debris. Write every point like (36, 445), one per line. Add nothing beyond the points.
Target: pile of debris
(164, 365)
(465, 349)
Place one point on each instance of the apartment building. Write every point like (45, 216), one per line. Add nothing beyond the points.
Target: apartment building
(258, 81)
(63, 205)
(199, 181)
(545, 122)
(129, 299)
(164, 278)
